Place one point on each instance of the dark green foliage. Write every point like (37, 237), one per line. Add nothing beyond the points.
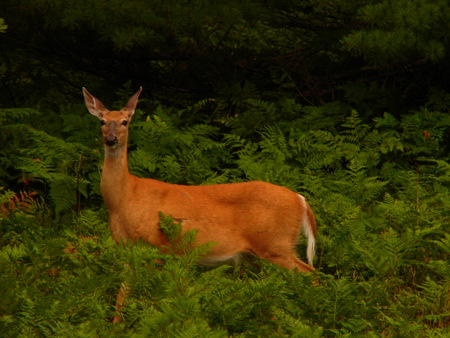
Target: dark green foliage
(376, 55)
(401, 29)
(63, 171)
(2, 26)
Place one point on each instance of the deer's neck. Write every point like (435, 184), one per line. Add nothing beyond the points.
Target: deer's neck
(115, 177)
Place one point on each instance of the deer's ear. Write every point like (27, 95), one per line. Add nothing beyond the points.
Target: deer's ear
(93, 104)
(132, 103)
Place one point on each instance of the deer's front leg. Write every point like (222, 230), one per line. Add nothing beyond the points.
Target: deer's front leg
(124, 290)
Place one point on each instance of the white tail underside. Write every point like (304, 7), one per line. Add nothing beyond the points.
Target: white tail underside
(307, 230)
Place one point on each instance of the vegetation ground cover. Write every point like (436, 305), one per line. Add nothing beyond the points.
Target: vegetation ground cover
(382, 245)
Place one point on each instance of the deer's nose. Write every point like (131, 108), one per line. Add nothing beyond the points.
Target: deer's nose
(111, 140)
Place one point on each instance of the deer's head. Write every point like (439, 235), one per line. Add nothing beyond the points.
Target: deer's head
(114, 123)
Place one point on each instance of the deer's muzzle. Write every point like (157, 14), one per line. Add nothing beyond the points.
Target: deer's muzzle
(111, 141)
(111, 138)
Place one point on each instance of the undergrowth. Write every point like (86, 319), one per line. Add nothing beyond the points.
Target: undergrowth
(379, 189)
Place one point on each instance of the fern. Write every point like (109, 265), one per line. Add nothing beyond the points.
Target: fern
(182, 242)
(174, 155)
(355, 129)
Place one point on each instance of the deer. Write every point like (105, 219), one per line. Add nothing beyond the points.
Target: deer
(242, 219)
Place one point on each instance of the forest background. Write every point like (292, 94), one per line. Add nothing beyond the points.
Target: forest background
(346, 102)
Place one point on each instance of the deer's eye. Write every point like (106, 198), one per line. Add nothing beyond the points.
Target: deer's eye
(102, 122)
(124, 122)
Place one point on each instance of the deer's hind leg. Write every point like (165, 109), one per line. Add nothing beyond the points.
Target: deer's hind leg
(290, 261)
